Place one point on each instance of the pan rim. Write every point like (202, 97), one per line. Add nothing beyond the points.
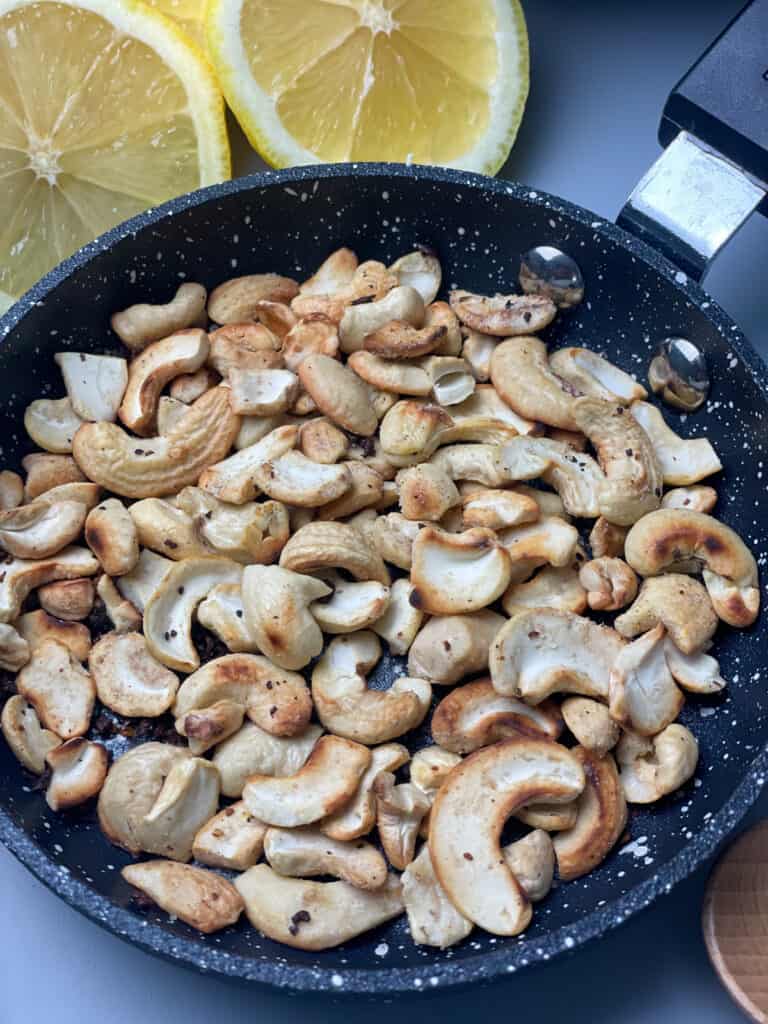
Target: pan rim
(486, 966)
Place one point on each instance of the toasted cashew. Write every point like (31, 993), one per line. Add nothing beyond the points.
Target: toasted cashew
(458, 572)
(79, 768)
(158, 465)
(450, 647)
(40, 530)
(28, 740)
(277, 603)
(20, 577)
(111, 534)
(58, 688)
(238, 299)
(200, 898)
(233, 480)
(609, 582)
(332, 545)
(46, 472)
(52, 424)
(503, 315)
(149, 373)
(139, 325)
(304, 852)
(346, 706)
(70, 600)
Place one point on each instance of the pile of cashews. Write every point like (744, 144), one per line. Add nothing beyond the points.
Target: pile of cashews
(308, 471)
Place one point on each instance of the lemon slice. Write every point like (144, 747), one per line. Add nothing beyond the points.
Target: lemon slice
(105, 109)
(422, 81)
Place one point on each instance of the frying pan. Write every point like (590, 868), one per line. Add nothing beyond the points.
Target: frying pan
(635, 296)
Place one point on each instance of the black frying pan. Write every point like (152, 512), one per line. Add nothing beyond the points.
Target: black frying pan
(288, 222)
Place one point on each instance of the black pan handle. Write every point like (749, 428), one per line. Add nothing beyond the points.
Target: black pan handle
(714, 171)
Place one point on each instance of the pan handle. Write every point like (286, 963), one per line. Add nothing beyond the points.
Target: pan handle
(714, 171)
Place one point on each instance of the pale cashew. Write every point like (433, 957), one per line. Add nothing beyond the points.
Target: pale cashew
(252, 750)
(477, 352)
(521, 375)
(276, 700)
(40, 530)
(591, 724)
(633, 476)
(389, 375)
(262, 392)
(650, 768)
(697, 498)
(11, 489)
(222, 613)
(358, 816)
(426, 492)
(346, 706)
(475, 715)
(14, 648)
(601, 817)
(277, 317)
(247, 347)
(607, 539)
(95, 384)
(452, 382)
(400, 811)
(450, 647)
(322, 441)
(350, 606)
(233, 479)
(79, 768)
(314, 333)
(296, 480)
(411, 430)
(158, 465)
(532, 861)
(421, 270)
(232, 839)
(548, 541)
(497, 509)
(276, 603)
(123, 615)
(20, 577)
(304, 852)
(326, 782)
(52, 424)
(642, 693)
(576, 477)
(682, 461)
(138, 585)
(314, 915)
(401, 621)
(369, 282)
(255, 532)
(591, 374)
(549, 588)
(168, 612)
(35, 627)
(58, 688)
(128, 679)
(334, 274)
(366, 490)
(28, 740)
(139, 325)
(357, 321)
(541, 652)
(187, 388)
(207, 727)
(46, 472)
(680, 603)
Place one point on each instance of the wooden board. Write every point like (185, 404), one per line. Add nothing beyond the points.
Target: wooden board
(735, 921)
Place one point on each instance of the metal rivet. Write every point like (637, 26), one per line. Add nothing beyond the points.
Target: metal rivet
(678, 374)
(548, 271)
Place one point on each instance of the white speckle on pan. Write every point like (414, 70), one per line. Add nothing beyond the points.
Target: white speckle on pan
(337, 980)
(638, 848)
(681, 278)
(385, 195)
(382, 949)
(290, 191)
(533, 195)
(569, 942)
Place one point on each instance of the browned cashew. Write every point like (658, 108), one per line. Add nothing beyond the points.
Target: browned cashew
(458, 572)
(591, 724)
(276, 700)
(339, 393)
(469, 812)
(312, 334)
(520, 373)
(609, 582)
(503, 315)
(70, 600)
(139, 325)
(330, 545)
(78, 769)
(202, 899)
(668, 538)
(149, 373)
(601, 817)
(399, 340)
(633, 478)
(475, 715)
(238, 299)
(680, 603)
(607, 539)
(158, 465)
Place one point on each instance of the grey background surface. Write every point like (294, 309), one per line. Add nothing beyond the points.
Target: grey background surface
(600, 74)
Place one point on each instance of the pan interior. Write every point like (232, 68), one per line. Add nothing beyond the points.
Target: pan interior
(478, 230)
